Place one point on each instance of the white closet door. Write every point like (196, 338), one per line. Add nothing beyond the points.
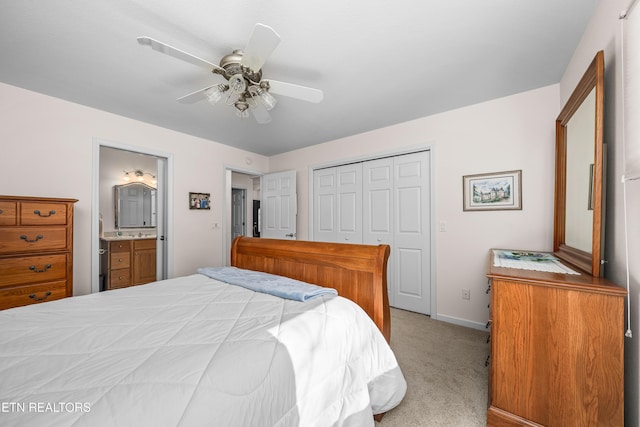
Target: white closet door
(324, 205)
(411, 249)
(378, 202)
(377, 218)
(382, 201)
(349, 203)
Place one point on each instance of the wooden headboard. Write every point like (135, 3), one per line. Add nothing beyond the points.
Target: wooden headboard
(357, 272)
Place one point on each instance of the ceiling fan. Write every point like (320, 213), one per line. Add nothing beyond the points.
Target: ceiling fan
(242, 69)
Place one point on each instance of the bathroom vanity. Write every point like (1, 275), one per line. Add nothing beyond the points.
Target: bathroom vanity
(128, 261)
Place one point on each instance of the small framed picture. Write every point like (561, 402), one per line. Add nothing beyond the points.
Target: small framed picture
(492, 191)
(199, 201)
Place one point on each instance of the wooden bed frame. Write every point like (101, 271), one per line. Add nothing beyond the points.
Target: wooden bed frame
(357, 272)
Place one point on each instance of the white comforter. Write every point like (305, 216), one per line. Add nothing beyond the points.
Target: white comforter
(192, 352)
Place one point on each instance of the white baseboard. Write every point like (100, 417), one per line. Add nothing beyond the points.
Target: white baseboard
(462, 322)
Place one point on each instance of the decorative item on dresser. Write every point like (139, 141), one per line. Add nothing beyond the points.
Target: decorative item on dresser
(36, 250)
(557, 350)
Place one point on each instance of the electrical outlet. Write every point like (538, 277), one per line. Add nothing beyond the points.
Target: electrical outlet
(466, 293)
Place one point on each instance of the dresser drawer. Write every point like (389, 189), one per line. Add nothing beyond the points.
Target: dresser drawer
(31, 239)
(119, 278)
(43, 213)
(25, 295)
(32, 269)
(8, 213)
(120, 260)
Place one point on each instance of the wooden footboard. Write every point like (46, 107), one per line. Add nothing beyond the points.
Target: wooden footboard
(357, 272)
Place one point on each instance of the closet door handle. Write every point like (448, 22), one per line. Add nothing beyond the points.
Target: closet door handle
(26, 239)
(37, 212)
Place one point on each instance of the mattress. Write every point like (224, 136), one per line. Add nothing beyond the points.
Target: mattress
(194, 351)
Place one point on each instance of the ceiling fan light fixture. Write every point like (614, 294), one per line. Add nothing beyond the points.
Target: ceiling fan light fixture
(267, 99)
(214, 93)
(242, 108)
(238, 84)
(242, 70)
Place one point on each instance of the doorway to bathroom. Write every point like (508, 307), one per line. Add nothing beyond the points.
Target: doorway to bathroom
(130, 210)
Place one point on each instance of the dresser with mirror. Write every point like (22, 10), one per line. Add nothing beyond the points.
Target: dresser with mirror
(557, 338)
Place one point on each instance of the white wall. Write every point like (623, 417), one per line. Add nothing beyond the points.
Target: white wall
(516, 132)
(47, 149)
(603, 34)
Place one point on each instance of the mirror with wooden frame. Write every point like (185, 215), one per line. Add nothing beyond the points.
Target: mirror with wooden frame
(579, 183)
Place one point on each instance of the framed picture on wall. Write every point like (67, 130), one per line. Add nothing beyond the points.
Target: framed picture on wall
(199, 201)
(492, 191)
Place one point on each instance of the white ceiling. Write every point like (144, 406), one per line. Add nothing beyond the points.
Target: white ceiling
(378, 62)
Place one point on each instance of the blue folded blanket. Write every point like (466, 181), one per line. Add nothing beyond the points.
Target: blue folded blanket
(266, 283)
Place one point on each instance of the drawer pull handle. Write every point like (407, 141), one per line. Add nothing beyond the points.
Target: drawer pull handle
(34, 268)
(26, 239)
(37, 212)
(46, 295)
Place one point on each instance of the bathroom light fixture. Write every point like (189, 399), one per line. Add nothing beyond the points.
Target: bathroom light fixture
(139, 176)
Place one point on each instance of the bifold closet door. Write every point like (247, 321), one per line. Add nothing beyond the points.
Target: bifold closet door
(377, 212)
(337, 215)
(411, 251)
(382, 201)
(324, 205)
(397, 212)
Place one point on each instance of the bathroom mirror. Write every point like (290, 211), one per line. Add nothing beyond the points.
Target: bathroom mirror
(579, 183)
(135, 205)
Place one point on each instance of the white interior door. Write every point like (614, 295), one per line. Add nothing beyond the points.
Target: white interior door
(278, 207)
(377, 219)
(324, 218)
(349, 203)
(238, 212)
(411, 285)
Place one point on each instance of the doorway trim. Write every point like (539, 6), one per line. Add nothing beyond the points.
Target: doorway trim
(226, 207)
(95, 204)
(432, 200)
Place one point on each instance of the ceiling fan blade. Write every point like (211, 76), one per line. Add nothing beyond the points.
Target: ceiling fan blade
(296, 91)
(262, 42)
(177, 53)
(193, 96)
(261, 114)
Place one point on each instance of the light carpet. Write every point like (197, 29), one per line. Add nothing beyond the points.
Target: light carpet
(444, 365)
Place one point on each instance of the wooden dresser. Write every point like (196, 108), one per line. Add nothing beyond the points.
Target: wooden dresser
(129, 262)
(557, 349)
(36, 250)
